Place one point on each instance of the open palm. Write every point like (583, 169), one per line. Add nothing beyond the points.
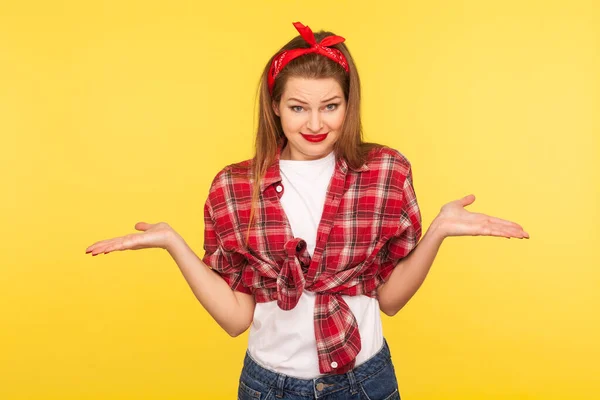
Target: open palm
(459, 222)
(154, 236)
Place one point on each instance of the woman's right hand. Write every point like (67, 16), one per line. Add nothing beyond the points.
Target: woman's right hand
(159, 235)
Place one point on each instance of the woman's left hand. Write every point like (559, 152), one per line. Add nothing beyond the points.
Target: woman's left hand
(454, 220)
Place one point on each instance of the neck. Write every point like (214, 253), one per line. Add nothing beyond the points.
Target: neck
(284, 153)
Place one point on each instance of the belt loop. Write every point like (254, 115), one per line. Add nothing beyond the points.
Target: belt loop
(352, 379)
(280, 382)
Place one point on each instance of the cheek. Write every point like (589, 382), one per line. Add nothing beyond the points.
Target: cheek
(337, 121)
(291, 122)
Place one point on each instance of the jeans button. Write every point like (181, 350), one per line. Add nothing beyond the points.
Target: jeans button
(320, 386)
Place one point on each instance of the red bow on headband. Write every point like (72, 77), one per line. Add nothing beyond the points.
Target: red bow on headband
(283, 58)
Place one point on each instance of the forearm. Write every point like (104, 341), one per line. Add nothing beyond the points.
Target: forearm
(233, 314)
(410, 272)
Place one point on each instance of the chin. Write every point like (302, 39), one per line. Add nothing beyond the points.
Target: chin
(320, 152)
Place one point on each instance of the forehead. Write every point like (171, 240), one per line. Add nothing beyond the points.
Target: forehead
(314, 89)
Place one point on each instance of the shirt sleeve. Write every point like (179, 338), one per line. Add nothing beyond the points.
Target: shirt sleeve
(409, 230)
(229, 264)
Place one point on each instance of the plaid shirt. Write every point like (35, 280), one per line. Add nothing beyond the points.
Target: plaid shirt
(370, 221)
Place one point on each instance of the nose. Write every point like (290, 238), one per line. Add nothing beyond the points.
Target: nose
(315, 123)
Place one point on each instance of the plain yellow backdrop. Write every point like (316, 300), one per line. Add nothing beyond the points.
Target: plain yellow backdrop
(116, 112)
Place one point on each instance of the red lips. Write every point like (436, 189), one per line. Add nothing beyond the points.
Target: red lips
(315, 138)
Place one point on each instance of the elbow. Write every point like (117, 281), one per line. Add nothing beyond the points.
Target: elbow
(386, 304)
(236, 331)
(391, 309)
(390, 312)
(386, 309)
(390, 306)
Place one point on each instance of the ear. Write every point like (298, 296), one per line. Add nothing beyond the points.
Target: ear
(275, 108)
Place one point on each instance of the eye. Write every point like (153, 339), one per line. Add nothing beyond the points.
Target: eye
(294, 108)
(335, 105)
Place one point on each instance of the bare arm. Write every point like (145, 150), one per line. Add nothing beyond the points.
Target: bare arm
(232, 310)
(410, 272)
(453, 220)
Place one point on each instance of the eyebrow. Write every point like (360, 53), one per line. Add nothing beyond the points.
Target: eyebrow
(303, 102)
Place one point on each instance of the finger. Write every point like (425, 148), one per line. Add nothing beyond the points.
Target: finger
(506, 222)
(143, 226)
(125, 243)
(112, 247)
(495, 230)
(128, 242)
(95, 245)
(487, 227)
(467, 200)
(509, 231)
(499, 233)
(101, 243)
(496, 220)
(93, 248)
(100, 248)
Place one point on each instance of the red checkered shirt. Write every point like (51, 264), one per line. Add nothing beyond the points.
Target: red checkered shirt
(370, 221)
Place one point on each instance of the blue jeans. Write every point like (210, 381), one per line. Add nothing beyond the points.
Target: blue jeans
(375, 379)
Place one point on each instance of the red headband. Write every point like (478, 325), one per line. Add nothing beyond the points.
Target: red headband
(283, 58)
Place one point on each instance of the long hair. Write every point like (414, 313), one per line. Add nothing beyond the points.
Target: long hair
(269, 135)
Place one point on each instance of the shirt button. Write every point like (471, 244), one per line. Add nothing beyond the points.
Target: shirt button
(334, 365)
(279, 188)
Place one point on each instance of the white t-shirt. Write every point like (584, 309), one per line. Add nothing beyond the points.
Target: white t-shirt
(284, 341)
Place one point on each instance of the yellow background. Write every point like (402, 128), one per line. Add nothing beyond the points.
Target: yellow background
(117, 112)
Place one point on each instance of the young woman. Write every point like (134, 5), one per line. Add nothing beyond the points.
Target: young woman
(307, 241)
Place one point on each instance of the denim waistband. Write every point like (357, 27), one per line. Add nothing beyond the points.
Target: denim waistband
(322, 385)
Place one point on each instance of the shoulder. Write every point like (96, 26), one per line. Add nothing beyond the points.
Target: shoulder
(239, 172)
(231, 182)
(387, 159)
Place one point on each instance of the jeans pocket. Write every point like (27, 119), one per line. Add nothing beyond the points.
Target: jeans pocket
(395, 395)
(245, 392)
(382, 385)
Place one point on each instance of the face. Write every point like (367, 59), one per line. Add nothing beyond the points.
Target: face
(312, 112)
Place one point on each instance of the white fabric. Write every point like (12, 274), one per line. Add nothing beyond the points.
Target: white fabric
(284, 341)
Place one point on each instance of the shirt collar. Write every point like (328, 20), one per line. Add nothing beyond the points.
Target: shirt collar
(273, 175)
